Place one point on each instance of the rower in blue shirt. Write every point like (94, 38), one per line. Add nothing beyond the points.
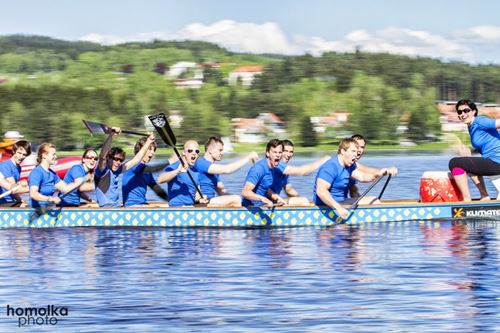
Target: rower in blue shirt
(10, 174)
(136, 181)
(209, 171)
(181, 189)
(111, 165)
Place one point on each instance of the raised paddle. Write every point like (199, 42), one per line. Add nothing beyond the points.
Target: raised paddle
(98, 128)
(162, 126)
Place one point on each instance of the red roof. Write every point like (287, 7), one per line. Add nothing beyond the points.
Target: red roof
(252, 68)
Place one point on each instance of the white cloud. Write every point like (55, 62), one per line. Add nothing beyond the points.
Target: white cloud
(269, 38)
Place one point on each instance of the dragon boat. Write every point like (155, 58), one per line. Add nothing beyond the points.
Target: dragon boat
(252, 217)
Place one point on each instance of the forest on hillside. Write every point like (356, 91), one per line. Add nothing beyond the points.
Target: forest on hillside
(47, 86)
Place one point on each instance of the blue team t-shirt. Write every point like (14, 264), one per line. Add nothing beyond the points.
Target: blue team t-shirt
(208, 182)
(135, 184)
(73, 198)
(9, 169)
(107, 191)
(260, 175)
(339, 178)
(485, 137)
(46, 181)
(181, 191)
(280, 180)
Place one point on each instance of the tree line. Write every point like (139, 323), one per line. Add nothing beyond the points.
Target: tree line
(49, 85)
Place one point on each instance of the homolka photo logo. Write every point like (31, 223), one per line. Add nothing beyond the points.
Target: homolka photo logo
(37, 316)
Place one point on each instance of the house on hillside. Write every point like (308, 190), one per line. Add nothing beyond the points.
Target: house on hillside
(334, 119)
(244, 74)
(186, 74)
(258, 130)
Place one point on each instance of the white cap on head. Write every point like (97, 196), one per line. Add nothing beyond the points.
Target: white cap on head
(13, 135)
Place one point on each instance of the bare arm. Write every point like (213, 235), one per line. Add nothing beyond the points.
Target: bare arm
(249, 194)
(140, 154)
(167, 176)
(290, 191)
(366, 169)
(106, 146)
(304, 170)
(323, 192)
(232, 167)
(36, 195)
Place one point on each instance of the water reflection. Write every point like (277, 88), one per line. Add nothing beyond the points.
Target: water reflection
(406, 276)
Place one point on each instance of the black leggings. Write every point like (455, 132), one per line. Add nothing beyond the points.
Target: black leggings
(478, 166)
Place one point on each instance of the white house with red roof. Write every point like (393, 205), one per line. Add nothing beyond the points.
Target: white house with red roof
(258, 130)
(244, 74)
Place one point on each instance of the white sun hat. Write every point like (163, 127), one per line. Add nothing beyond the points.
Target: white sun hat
(13, 135)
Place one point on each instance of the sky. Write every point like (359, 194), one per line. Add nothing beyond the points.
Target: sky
(449, 30)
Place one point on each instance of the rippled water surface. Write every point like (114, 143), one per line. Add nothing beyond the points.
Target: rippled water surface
(379, 277)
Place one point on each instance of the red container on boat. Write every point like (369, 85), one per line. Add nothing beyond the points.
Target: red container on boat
(439, 186)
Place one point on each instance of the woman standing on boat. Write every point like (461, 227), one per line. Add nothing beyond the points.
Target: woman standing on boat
(87, 167)
(485, 139)
(43, 181)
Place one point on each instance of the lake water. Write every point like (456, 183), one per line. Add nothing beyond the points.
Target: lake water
(379, 277)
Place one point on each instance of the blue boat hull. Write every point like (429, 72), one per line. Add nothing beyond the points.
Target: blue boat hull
(243, 217)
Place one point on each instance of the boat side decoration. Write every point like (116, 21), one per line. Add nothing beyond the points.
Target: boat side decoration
(242, 217)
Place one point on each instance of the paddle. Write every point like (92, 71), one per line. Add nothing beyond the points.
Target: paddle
(6, 193)
(162, 126)
(98, 128)
(355, 204)
(385, 185)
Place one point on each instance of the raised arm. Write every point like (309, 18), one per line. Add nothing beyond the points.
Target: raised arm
(140, 154)
(106, 146)
(304, 170)
(232, 167)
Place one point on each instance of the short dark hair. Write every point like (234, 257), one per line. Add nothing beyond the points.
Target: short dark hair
(358, 137)
(469, 103)
(22, 144)
(141, 142)
(115, 151)
(212, 140)
(273, 144)
(287, 142)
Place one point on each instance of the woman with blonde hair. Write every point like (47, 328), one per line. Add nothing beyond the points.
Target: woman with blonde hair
(43, 182)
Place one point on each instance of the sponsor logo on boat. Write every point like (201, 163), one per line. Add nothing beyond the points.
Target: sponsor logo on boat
(464, 212)
(37, 316)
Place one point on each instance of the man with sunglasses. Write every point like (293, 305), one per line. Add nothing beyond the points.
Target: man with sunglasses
(181, 189)
(485, 139)
(111, 165)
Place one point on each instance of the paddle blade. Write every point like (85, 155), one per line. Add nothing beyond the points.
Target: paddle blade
(161, 125)
(96, 128)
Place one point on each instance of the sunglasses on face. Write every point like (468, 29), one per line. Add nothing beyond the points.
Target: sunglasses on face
(459, 112)
(117, 159)
(92, 158)
(197, 151)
